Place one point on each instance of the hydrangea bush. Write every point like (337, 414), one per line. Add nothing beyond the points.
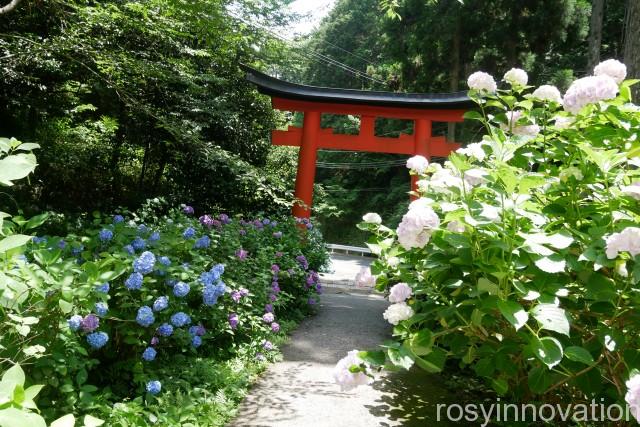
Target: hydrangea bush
(122, 297)
(518, 259)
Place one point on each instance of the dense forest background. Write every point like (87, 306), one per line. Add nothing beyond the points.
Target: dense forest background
(132, 100)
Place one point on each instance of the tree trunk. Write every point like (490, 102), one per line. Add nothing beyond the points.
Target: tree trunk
(595, 34)
(454, 77)
(8, 8)
(632, 44)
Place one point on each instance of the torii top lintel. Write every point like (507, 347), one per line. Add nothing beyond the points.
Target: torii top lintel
(423, 109)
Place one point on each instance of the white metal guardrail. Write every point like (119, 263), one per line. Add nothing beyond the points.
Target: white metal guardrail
(348, 250)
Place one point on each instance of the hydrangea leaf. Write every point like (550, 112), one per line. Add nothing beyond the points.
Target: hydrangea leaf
(90, 421)
(13, 241)
(514, 313)
(551, 264)
(552, 318)
(66, 421)
(548, 350)
(375, 358)
(578, 354)
(15, 167)
(432, 362)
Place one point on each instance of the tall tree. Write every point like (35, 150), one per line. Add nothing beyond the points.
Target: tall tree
(595, 33)
(632, 42)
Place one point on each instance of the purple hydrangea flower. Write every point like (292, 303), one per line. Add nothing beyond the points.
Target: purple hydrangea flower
(268, 317)
(275, 287)
(233, 320)
(90, 323)
(275, 327)
(161, 303)
(309, 226)
(155, 341)
(302, 260)
(117, 219)
(165, 330)
(206, 220)
(154, 387)
(75, 322)
(311, 301)
(202, 242)
(277, 234)
(236, 296)
(196, 341)
(244, 292)
(181, 289)
(144, 263)
(180, 319)
(267, 345)
(189, 233)
(145, 316)
(241, 254)
(97, 339)
(279, 254)
(104, 288)
(275, 268)
(260, 357)
(268, 308)
(149, 354)
(197, 330)
(266, 221)
(134, 282)
(243, 232)
(188, 210)
(101, 309)
(105, 235)
(225, 218)
(273, 298)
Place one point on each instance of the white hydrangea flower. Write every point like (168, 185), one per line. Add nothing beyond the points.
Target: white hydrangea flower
(633, 396)
(400, 292)
(482, 81)
(547, 93)
(612, 68)
(417, 225)
(632, 190)
(492, 213)
(347, 379)
(474, 150)
(398, 312)
(443, 179)
(516, 77)
(372, 218)
(588, 90)
(521, 130)
(418, 164)
(456, 227)
(628, 240)
(562, 122)
(475, 177)
(364, 278)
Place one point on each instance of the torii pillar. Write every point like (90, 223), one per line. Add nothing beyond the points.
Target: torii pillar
(423, 109)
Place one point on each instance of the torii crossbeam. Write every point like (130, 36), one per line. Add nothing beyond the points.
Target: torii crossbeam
(423, 109)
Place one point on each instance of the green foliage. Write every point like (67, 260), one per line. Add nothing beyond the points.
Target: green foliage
(518, 277)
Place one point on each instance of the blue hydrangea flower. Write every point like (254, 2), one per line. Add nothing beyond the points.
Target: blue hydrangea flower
(105, 235)
(129, 249)
(155, 236)
(189, 233)
(149, 354)
(145, 316)
(202, 242)
(138, 244)
(171, 282)
(160, 303)
(154, 387)
(211, 293)
(213, 275)
(104, 288)
(196, 341)
(144, 263)
(101, 309)
(75, 322)
(37, 240)
(117, 219)
(181, 289)
(97, 339)
(142, 228)
(77, 250)
(180, 319)
(134, 282)
(165, 330)
(62, 244)
(266, 221)
(164, 260)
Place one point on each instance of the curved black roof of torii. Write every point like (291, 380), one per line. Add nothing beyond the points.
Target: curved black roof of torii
(279, 88)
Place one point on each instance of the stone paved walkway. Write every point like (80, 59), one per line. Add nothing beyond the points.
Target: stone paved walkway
(299, 391)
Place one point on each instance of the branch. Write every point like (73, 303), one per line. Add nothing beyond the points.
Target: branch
(8, 8)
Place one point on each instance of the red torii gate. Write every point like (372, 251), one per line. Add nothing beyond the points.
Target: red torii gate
(423, 109)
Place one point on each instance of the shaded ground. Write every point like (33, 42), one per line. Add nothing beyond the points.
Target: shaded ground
(343, 270)
(299, 391)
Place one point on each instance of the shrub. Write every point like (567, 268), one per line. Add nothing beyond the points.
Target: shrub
(521, 252)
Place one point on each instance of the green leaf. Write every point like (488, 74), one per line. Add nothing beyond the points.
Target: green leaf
(539, 380)
(66, 421)
(31, 392)
(65, 306)
(551, 264)
(578, 354)
(421, 342)
(400, 357)
(500, 386)
(514, 313)
(15, 167)
(12, 417)
(548, 350)
(90, 421)
(36, 221)
(375, 358)
(486, 285)
(552, 318)
(13, 241)
(432, 362)
(14, 375)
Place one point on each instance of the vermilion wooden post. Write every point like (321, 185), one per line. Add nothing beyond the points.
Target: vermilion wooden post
(307, 164)
(422, 135)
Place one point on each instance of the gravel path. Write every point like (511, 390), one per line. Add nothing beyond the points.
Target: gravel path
(300, 392)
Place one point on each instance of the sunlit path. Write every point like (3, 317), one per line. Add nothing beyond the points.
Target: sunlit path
(299, 391)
